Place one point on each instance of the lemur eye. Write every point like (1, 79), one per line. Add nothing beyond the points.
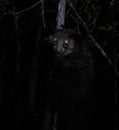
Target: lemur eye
(53, 43)
(66, 45)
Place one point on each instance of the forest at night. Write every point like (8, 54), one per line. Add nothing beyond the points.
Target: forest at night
(28, 67)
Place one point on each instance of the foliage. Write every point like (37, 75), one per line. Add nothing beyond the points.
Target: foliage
(4, 2)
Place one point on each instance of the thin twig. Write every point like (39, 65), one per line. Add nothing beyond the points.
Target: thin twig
(43, 14)
(27, 9)
(17, 14)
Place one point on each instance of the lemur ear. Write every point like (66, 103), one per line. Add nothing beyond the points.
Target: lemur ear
(75, 37)
(49, 39)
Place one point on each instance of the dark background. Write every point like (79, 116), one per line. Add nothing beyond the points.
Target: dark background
(23, 51)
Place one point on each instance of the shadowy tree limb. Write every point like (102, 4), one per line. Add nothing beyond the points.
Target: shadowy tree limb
(17, 14)
(43, 14)
(27, 9)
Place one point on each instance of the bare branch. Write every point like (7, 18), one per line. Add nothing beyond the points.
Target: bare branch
(17, 14)
(17, 41)
(27, 9)
(43, 14)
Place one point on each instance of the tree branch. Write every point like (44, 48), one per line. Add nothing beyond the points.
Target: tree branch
(43, 14)
(27, 9)
(17, 14)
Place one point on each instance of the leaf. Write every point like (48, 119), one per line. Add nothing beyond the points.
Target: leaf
(110, 28)
(102, 28)
(3, 2)
(117, 35)
(89, 17)
(93, 7)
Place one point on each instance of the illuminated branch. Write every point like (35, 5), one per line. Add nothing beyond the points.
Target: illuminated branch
(61, 14)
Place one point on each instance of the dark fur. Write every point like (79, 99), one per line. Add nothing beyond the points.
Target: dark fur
(69, 83)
